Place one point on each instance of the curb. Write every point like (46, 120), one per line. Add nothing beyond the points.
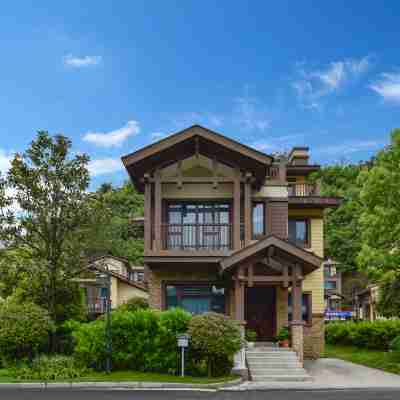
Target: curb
(120, 385)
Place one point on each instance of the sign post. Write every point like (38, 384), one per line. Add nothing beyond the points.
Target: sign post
(183, 343)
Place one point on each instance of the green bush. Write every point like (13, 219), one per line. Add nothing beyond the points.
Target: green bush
(372, 335)
(24, 327)
(49, 368)
(134, 304)
(250, 335)
(144, 340)
(215, 338)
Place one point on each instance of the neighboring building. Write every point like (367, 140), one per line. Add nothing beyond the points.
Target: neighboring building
(126, 282)
(233, 230)
(365, 303)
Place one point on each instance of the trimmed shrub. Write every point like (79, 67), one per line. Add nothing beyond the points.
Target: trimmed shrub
(24, 328)
(144, 340)
(215, 338)
(49, 368)
(395, 347)
(372, 335)
(134, 304)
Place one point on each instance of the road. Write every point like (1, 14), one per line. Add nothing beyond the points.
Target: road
(191, 395)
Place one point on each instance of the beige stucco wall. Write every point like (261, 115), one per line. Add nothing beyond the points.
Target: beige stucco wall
(197, 191)
(121, 292)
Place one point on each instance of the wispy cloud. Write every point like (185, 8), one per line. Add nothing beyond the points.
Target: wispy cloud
(349, 147)
(312, 85)
(250, 114)
(5, 161)
(104, 166)
(113, 138)
(388, 86)
(81, 62)
(278, 143)
(157, 135)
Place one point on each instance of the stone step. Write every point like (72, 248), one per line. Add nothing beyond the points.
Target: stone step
(274, 364)
(266, 356)
(277, 371)
(274, 349)
(282, 378)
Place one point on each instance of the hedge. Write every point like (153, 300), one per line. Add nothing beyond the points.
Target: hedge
(375, 335)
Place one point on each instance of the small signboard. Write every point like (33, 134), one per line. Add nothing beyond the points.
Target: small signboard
(183, 340)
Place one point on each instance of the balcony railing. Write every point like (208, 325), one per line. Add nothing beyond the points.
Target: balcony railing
(96, 305)
(303, 189)
(197, 236)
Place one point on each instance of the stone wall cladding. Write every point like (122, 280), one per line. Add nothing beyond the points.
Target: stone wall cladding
(314, 338)
(156, 279)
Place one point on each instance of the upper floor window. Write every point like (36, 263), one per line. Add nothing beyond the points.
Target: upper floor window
(299, 231)
(258, 222)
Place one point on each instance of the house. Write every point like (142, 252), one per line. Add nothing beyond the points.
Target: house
(233, 230)
(126, 282)
(336, 304)
(365, 303)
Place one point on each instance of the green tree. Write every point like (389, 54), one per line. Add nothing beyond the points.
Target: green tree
(380, 212)
(121, 236)
(342, 232)
(47, 216)
(389, 298)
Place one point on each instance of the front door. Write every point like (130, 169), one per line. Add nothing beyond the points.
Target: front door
(260, 311)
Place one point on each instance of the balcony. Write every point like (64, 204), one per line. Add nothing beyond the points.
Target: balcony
(194, 237)
(96, 305)
(303, 189)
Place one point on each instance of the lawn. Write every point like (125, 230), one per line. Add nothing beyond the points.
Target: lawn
(370, 358)
(131, 376)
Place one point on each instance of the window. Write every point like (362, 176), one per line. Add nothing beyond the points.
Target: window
(196, 299)
(258, 222)
(299, 231)
(330, 285)
(306, 308)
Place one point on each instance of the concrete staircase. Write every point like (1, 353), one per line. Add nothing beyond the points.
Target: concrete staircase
(269, 363)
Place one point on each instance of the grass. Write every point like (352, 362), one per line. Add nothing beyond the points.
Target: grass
(370, 358)
(130, 376)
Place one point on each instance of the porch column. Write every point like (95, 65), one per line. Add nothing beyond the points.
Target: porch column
(157, 211)
(147, 217)
(240, 357)
(236, 210)
(297, 323)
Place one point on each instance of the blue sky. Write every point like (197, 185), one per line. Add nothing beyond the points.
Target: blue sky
(117, 75)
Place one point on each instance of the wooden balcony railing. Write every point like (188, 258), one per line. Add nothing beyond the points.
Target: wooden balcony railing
(197, 236)
(303, 189)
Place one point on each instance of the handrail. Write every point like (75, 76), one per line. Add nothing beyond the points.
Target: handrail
(303, 189)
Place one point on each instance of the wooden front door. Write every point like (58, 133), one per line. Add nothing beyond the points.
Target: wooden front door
(260, 311)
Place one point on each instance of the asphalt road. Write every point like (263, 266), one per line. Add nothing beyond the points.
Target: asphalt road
(192, 395)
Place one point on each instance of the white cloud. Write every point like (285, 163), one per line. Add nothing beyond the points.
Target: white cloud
(81, 62)
(315, 84)
(349, 147)
(250, 114)
(104, 166)
(5, 161)
(388, 87)
(114, 138)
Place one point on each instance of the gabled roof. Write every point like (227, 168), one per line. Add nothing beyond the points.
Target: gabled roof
(308, 260)
(186, 143)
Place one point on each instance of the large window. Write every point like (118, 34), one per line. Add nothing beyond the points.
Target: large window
(305, 308)
(299, 231)
(258, 220)
(196, 299)
(198, 225)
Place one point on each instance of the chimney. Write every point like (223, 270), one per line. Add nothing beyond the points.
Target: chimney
(299, 156)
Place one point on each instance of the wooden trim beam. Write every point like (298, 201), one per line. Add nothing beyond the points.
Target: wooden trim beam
(297, 293)
(179, 173)
(247, 213)
(147, 216)
(250, 275)
(215, 172)
(236, 210)
(263, 278)
(157, 211)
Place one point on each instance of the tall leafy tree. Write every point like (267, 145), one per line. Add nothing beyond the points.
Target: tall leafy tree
(380, 212)
(46, 213)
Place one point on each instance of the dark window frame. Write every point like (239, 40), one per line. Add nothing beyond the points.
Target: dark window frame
(254, 204)
(307, 243)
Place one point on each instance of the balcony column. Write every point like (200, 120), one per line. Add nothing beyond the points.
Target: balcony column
(247, 211)
(297, 324)
(236, 210)
(157, 211)
(147, 215)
